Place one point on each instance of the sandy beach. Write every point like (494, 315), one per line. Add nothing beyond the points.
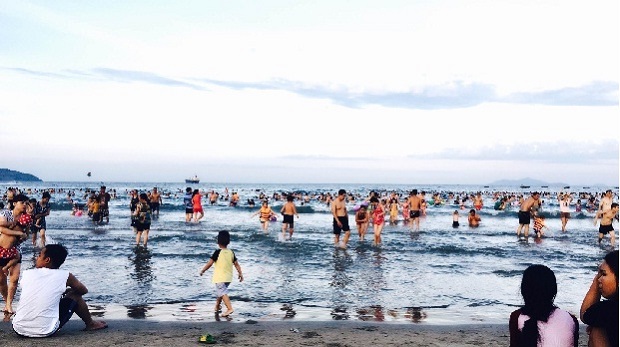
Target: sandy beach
(272, 333)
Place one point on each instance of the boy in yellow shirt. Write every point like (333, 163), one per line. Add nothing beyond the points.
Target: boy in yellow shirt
(224, 259)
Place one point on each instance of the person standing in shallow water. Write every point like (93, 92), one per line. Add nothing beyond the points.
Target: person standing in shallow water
(361, 220)
(224, 259)
(340, 219)
(564, 201)
(197, 206)
(155, 201)
(415, 206)
(606, 227)
(378, 220)
(288, 212)
(525, 214)
(143, 220)
(42, 210)
(189, 205)
(264, 215)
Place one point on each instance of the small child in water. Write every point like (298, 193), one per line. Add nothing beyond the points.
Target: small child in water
(224, 259)
(539, 225)
(455, 219)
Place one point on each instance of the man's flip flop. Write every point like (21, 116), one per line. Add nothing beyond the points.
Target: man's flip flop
(206, 339)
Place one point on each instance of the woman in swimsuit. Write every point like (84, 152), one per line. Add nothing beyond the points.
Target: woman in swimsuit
(378, 220)
(197, 205)
(361, 220)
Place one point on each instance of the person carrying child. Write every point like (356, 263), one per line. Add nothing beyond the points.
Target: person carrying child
(224, 259)
(10, 254)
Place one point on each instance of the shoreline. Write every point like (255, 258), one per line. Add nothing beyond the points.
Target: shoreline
(272, 333)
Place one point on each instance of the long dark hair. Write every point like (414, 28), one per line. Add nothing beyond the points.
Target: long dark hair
(538, 288)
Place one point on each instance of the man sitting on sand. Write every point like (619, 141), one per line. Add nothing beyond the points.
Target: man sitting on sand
(49, 296)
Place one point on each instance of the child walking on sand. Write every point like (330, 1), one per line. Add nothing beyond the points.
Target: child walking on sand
(224, 259)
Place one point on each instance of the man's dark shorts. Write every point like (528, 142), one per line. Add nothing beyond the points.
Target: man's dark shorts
(605, 229)
(524, 217)
(414, 214)
(344, 220)
(65, 310)
(288, 219)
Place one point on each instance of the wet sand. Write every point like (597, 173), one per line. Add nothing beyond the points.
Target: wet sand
(271, 333)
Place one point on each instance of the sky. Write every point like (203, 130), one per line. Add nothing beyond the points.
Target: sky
(273, 91)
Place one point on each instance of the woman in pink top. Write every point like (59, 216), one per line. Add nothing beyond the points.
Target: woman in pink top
(539, 323)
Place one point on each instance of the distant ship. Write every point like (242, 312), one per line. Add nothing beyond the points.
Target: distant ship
(194, 179)
(524, 187)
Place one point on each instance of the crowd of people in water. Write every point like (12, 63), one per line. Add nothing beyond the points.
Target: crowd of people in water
(370, 211)
(539, 320)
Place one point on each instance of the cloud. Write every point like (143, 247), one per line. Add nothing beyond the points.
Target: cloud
(457, 94)
(125, 76)
(452, 95)
(559, 152)
(598, 93)
(36, 73)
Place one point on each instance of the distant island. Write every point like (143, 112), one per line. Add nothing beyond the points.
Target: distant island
(7, 175)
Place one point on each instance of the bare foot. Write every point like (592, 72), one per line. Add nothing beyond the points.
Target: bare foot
(96, 325)
(227, 313)
(7, 315)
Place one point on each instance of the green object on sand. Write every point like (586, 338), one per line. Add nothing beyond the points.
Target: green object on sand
(207, 339)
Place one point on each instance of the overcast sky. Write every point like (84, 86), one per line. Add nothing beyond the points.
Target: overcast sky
(311, 91)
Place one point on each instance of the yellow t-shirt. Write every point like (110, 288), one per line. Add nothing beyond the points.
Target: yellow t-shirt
(223, 267)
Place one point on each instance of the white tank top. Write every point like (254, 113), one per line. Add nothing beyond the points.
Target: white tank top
(564, 205)
(37, 311)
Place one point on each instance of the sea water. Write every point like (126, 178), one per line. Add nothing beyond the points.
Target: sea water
(439, 275)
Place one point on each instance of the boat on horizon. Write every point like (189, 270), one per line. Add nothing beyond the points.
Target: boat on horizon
(194, 179)
(524, 186)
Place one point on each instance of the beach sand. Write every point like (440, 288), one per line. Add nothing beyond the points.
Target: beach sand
(271, 333)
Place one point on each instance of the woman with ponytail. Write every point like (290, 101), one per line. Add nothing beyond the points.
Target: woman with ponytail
(539, 323)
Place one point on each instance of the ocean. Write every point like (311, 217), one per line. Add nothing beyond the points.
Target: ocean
(439, 275)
